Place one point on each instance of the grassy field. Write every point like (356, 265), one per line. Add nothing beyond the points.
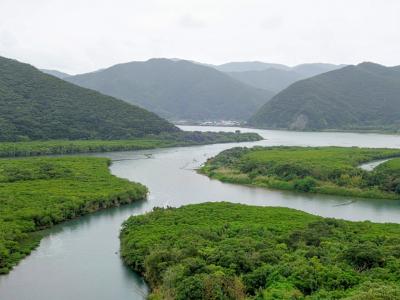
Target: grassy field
(233, 251)
(34, 148)
(327, 170)
(37, 193)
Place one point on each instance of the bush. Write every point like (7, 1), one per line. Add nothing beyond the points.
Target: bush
(364, 256)
(305, 185)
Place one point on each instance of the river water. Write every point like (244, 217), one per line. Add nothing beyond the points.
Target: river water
(79, 259)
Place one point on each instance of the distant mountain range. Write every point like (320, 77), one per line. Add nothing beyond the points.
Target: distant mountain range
(362, 97)
(55, 73)
(313, 96)
(38, 106)
(177, 89)
(245, 66)
(274, 77)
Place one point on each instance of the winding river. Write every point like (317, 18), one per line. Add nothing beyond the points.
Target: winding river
(79, 259)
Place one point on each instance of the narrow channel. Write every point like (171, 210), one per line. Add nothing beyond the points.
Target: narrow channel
(80, 260)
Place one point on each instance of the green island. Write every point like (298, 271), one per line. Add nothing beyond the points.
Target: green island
(325, 170)
(37, 193)
(233, 251)
(176, 139)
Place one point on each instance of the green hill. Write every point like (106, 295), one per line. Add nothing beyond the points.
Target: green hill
(177, 89)
(37, 106)
(362, 97)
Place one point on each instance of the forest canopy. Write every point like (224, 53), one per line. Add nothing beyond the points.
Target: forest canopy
(234, 251)
(38, 106)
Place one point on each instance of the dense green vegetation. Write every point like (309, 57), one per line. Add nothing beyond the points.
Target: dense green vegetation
(328, 170)
(182, 138)
(37, 106)
(39, 192)
(233, 251)
(177, 90)
(362, 97)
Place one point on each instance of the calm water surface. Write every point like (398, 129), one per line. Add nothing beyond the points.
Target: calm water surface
(79, 259)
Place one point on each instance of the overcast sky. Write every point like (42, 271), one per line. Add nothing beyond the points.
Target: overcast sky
(78, 36)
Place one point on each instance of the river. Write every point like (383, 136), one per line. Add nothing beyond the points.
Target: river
(79, 259)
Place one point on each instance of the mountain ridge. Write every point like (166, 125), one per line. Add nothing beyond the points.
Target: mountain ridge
(277, 79)
(55, 73)
(177, 89)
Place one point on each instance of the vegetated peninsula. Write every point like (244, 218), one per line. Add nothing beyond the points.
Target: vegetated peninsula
(326, 170)
(234, 251)
(362, 97)
(175, 139)
(177, 90)
(37, 193)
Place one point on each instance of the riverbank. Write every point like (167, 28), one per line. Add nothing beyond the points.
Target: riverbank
(234, 251)
(387, 131)
(37, 193)
(324, 170)
(36, 148)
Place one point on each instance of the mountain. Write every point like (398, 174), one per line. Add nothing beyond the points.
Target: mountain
(38, 106)
(362, 97)
(249, 66)
(270, 79)
(313, 69)
(55, 73)
(177, 89)
(275, 79)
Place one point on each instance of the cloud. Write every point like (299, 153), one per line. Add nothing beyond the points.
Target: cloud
(272, 23)
(188, 21)
(80, 36)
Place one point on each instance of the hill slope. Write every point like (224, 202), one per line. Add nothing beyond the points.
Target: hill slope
(362, 97)
(177, 89)
(270, 79)
(55, 73)
(277, 79)
(34, 105)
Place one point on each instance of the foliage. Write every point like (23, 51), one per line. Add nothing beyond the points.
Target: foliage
(234, 251)
(177, 90)
(328, 170)
(37, 106)
(362, 97)
(37, 193)
(183, 138)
